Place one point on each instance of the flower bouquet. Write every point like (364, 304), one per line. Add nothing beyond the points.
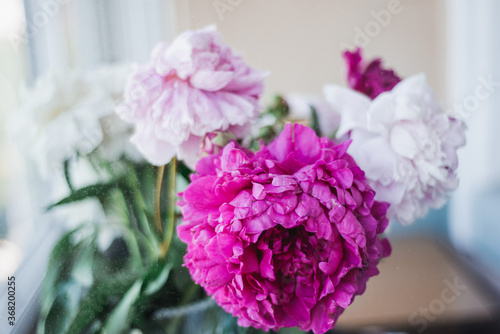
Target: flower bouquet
(204, 212)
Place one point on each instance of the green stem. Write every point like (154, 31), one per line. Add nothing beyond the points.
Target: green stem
(137, 217)
(169, 229)
(159, 183)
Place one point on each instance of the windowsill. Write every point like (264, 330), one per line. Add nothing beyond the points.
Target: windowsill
(29, 277)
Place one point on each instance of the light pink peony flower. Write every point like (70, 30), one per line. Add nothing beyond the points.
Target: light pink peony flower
(370, 79)
(404, 142)
(284, 237)
(191, 87)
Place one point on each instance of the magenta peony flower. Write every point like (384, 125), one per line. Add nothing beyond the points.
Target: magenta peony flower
(371, 79)
(284, 237)
(194, 86)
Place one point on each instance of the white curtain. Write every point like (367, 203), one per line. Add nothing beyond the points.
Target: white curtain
(473, 81)
(86, 33)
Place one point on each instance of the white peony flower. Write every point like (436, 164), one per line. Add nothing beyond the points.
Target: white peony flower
(72, 113)
(404, 142)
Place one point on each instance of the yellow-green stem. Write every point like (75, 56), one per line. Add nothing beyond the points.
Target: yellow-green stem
(159, 182)
(169, 229)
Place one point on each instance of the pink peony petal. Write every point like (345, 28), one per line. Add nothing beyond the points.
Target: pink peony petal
(218, 275)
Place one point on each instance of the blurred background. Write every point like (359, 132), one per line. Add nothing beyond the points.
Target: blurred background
(445, 269)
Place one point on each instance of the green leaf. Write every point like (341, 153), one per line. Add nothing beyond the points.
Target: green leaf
(147, 182)
(184, 170)
(120, 318)
(82, 270)
(315, 121)
(64, 307)
(279, 108)
(136, 206)
(97, 299)
(67, 175)
(156, 278)
(58, 266)
(59, 273)
(114, 206)
(99, 191)
(93, 328)
(151, 247)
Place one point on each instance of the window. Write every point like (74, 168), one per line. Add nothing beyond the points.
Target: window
(36, 37)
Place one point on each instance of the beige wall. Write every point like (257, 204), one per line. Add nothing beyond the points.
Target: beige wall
(299, 41)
